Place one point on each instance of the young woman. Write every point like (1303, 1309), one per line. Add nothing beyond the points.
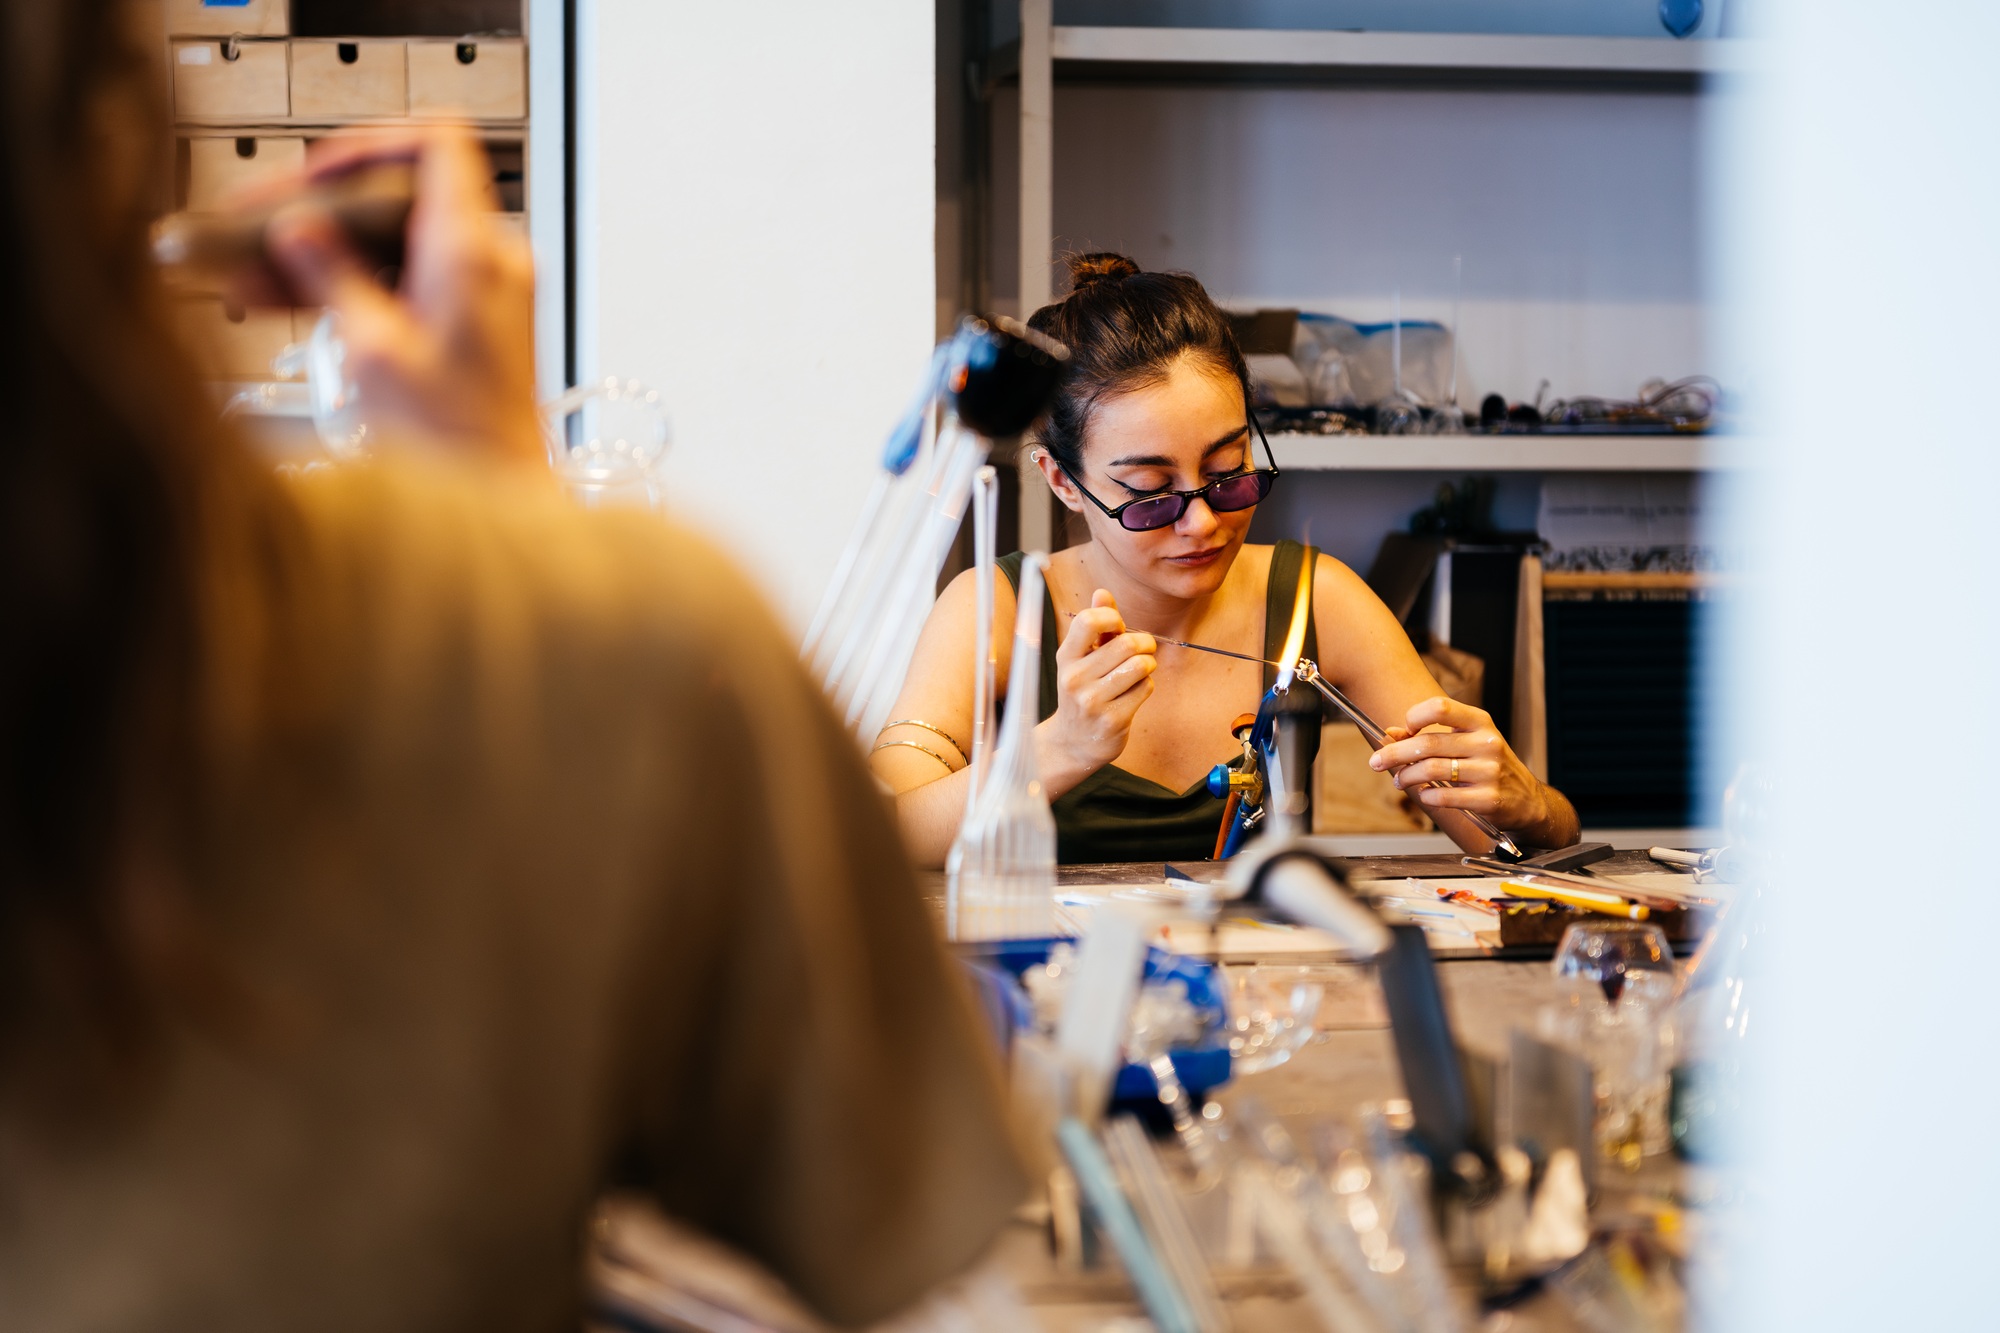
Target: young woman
(1151, 440)
(361, 918)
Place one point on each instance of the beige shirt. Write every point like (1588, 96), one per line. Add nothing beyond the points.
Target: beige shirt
(539, 864)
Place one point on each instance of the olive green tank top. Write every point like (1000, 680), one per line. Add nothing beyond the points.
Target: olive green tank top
(1113, 815)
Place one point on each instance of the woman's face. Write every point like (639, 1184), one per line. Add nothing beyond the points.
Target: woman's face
(1180, 434)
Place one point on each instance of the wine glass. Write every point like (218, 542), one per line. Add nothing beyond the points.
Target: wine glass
(1617, 957)
(606, 442)
(1616, 984)
(1271, 1013)
(334, 397)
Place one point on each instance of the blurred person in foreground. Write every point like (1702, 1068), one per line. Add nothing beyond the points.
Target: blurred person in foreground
(392, 859)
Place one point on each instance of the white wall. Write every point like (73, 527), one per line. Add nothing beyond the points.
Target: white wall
(1574, 212)
(755, 223)
(1861, 194)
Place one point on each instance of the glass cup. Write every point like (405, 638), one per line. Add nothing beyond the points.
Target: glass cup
(1271, 1013)
(606, 442)
(1616, 986)
(1446, 420)
(1399, 414)
(332, 394)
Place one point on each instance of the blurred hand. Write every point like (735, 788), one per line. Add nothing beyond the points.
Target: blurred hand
(450, 356)
(1103, 675)
(1490, 779)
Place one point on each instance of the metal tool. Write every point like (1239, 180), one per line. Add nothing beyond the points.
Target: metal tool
(1305, 669)
(1573, 857)
(1659, 899)
(1707, 866)
(1300, 885)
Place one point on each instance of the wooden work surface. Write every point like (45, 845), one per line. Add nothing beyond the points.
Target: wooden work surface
(1430, 866)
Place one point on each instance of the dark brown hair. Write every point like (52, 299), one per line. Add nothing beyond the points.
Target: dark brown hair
(108, 454)
(1125, 329)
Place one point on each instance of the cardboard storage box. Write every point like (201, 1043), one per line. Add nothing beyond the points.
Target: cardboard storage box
(205, 18)
(218, 167)
(208, 85)
(337, 79)
(479, 79)
(233, 343)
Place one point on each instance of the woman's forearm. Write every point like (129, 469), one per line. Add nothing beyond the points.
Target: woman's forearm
(1058, 769)
(930, 815)
(1558, 826)
(1555, 825)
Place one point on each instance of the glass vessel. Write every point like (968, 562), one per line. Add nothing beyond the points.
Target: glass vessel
(335, 399)
(1618, 985)
(985, 514)
(606, 442)
(1271, 1013)
(1002, 869)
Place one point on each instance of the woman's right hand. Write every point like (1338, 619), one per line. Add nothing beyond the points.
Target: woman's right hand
(448, 356)
(1103, 674)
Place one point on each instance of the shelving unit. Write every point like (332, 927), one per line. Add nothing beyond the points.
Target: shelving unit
(1179, 52)
(1275, 96)
(1501, 453)
(250, 92)
(1047, 52)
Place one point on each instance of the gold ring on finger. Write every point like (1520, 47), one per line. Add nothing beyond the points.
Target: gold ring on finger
(1454, 770)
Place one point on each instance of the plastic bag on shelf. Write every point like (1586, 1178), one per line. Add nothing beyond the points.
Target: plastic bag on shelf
(1346, 364)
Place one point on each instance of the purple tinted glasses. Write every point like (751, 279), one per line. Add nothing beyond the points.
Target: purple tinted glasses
(1225, 495)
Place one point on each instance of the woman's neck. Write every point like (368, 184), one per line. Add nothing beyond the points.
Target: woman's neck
(1145, 607)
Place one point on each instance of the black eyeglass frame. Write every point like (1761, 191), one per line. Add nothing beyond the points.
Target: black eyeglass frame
(1186, 497)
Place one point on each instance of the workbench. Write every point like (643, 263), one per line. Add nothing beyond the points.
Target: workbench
(1349, 1062)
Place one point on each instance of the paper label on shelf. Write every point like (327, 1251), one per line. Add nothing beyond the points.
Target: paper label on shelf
(197, 55)
(1641, 522)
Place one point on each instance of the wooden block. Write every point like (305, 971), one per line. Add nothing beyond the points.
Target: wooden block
(205, 18)
(233, 344)
(209, 86)
(484, 79)
(1533, 923)
(218, 167)
(1350, 797)
(334, 80)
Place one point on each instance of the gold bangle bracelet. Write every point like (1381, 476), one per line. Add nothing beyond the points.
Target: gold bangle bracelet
(885, 745)
(935, 731)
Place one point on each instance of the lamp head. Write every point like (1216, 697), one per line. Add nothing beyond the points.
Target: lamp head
(1003, 375)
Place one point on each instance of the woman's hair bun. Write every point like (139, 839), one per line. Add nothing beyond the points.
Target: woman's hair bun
(1103, 266)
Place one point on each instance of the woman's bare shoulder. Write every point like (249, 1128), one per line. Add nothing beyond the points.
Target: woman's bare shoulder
(1354, 624)
(1335, 578)
(961, 596)
(955, 615)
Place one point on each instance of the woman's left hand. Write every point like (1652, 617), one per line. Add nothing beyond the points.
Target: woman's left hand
(1487, 777)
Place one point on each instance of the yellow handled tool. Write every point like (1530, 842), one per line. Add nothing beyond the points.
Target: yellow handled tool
(1610, 904)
